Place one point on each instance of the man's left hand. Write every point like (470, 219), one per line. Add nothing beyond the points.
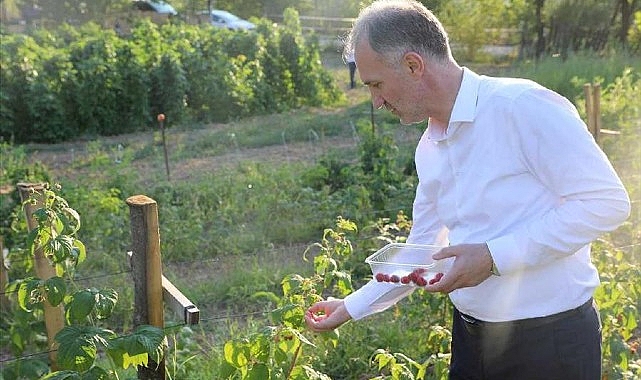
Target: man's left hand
(472, 265)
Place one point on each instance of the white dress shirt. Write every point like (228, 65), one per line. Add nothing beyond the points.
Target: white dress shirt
(515, 168)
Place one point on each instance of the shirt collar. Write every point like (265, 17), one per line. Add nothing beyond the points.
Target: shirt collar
(464, 108)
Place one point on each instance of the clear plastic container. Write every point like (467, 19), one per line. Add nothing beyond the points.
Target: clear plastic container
(403, 264)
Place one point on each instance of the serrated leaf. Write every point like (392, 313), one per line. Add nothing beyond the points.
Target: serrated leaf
(29, 293)
(61, 248)
(25, 368)
(135, 360)
(55, 290)
(289, 315)
(236, 354)
(105, 303)
(77, 347)
(73, 220)
(81, 305)
(145, 339)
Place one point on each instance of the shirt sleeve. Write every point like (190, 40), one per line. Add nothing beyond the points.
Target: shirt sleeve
(376, 296)
(560, 152)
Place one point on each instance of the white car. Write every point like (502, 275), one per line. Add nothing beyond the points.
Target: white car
(224, 19)
(157, 6)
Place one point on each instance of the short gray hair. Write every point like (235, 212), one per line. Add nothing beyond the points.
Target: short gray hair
(395, 27)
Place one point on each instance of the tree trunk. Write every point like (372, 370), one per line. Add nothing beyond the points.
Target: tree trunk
(540, 38)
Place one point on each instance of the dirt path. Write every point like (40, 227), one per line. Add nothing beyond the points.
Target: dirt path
(63, 159)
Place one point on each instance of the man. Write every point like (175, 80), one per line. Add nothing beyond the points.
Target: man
(512, 183)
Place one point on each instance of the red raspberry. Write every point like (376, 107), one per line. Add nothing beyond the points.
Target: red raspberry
(420, 281)
(380, 277)
(386, 278)
(405, 280)
(394, 278)
(438, 276)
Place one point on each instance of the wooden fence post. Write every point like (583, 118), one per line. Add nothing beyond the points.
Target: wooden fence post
(54, 316)
(147, 272)
(592, 94)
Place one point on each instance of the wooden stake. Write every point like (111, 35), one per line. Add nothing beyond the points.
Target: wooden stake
(147, 272)
(589, 108)
(54, 316)
(596, 112)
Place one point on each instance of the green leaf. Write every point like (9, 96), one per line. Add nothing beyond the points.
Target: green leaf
(105, 303)
(332, 336)
(236, 353)
(147, 340)
(55, 289)
(72, 220)
(61, 248)
(134, 360)
(80, 252)
(343, 282)
(258, 372)
(291, 283)
(24, 368)
(29, 293)
(290, 315)
(77, 346)
(81, 305)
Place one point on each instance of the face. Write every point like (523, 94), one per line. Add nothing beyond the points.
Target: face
(391, 87)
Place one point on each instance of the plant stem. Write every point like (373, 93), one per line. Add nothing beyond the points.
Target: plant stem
(291, 367)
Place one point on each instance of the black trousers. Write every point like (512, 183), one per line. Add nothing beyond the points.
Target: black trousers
(564, 346)
(352, 72)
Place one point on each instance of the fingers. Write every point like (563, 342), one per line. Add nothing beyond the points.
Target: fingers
(441, 284)
(444, 253)
(326, 315)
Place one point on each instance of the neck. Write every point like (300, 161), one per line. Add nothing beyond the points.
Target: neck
(446, 82)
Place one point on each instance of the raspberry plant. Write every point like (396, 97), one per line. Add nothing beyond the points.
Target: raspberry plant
(82, 339)
(277, 352)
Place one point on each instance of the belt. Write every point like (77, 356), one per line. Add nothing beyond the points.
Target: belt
(530, 322)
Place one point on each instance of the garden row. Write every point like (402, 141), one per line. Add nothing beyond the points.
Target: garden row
(58, 85)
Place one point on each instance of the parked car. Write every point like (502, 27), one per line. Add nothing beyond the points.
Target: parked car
(224, 19)
(156, 6)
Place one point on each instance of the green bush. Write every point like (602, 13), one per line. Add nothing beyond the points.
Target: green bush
(67, 83)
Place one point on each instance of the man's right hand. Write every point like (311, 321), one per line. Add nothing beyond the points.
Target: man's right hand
(326, 315)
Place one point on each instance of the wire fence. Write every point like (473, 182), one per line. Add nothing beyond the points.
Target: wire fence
(171, 326)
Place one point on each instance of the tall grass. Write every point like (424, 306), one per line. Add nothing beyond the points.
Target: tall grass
(567, 77)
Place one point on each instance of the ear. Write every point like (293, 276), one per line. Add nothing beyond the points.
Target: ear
(414, 63)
